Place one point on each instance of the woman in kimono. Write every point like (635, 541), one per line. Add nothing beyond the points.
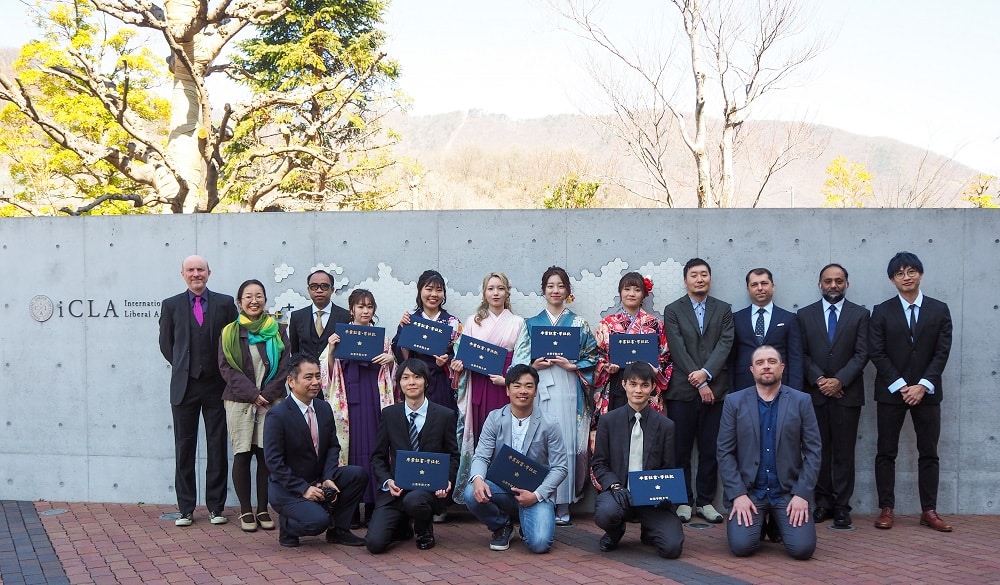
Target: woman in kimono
(632, 319)
(431, 297)
(358, 391)
(479, 394)
(563, 384)
(253, 357)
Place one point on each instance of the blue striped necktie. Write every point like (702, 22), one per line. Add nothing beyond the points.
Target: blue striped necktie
(413, 431)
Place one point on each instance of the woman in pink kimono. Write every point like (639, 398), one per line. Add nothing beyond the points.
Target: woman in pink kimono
(479, 394)
(358, 391)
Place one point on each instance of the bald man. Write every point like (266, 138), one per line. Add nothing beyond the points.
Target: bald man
(190, 325)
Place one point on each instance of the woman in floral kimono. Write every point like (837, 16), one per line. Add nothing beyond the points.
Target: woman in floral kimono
(358, 391)
(563, 384)
(632, 319)
(479, 394)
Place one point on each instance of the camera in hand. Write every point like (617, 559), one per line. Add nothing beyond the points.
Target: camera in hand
(329, 497)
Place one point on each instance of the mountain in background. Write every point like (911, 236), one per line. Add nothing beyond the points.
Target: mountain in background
(479, 160)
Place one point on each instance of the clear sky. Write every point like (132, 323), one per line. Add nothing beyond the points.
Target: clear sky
(922, 71)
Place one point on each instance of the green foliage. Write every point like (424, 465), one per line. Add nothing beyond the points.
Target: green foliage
(978, 192)
(571, 193)
(848, 184)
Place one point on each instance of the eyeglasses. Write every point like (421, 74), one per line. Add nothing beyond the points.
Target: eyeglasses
(908, 273)
(249, 298)
(319, 286)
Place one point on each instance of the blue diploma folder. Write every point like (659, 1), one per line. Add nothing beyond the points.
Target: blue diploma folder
(359, 342)
(481, 357)
(623, 349)
(511, 469)
(422, 470)
(653, 487)
(551, 342)
(426, 337)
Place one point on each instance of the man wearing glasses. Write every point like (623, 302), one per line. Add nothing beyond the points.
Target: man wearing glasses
(310, 328)
(910, 338)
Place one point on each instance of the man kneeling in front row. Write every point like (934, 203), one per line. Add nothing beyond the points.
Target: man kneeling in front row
(620, 447)
(535, 434)
(309, 488)
(769, 454)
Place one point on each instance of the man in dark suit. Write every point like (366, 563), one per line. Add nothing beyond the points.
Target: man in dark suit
(699, 331)
(764, 323)
(910, 339)
(769, 457)
(619, 448)
(534, 433)
(433, 428)
(303, 455)
(835, 346)
(310, 328)
(190, 326)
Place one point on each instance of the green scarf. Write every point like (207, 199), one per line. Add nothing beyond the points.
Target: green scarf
(264, 329)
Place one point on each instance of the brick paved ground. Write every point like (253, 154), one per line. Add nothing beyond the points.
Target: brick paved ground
(112, 543)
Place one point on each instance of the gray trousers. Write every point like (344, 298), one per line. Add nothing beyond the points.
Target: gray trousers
(799, 542)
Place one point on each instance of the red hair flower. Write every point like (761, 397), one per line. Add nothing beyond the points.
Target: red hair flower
(648, 284)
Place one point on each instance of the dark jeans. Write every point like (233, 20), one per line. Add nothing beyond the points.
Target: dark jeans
(697, 422)
(202, 397)
(927, 426)
(800, 542)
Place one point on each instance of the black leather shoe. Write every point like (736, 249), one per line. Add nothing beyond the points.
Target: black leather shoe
(425, 540)
(841, 518)
(288, 541)
(822, 515)
(770, 530)
(609, 542)
(343, 536)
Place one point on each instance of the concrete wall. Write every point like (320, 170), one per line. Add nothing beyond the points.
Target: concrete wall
(85, 415)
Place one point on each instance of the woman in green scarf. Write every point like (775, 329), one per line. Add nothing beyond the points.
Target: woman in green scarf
(253, 357)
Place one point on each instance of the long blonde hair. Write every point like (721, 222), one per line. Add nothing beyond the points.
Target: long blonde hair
(484, 306)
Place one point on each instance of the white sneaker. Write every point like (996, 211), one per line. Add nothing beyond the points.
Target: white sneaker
(184, 520)
(684, 513)
(217, 518)
(708, 512)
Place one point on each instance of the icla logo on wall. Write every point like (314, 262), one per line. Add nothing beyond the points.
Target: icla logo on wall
(42, 308)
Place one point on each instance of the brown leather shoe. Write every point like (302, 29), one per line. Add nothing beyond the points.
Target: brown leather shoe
(885, 519)
(931, 518)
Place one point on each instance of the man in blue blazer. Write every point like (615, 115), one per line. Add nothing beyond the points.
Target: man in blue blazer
(303, 456)
(190, 326)
(534, 433)
(769, 456)
(764, 323)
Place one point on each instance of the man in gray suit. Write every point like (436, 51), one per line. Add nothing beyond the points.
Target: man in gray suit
(769, 456)
(700, 335)
(835, 347)
(536, 434)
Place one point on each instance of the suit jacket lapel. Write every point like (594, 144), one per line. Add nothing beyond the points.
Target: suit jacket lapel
(430, 419)
(780, 419)
(533, 424)
(750, 402)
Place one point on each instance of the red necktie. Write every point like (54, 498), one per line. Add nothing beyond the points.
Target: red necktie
(199, 313)
(312, 428)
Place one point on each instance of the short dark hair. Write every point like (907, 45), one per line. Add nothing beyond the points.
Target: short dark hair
(517, 370)
(766, 347)
(760, 272)
(903, 260)
(696, 262)
(632, 279)
(556, 271)
(639, 371)
(832, 265)
(296, 361)
(315, 272)
(246, 283)
(430, 277)
(418, 367)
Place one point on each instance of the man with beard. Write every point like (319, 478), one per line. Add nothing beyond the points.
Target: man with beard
(835, 347)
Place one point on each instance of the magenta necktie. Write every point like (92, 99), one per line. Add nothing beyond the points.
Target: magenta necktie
(199, 313)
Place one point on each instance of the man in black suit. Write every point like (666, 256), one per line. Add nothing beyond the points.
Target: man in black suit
(769, 456)
(303, 454)
(190, 326)
(310, 328)
(764, 323)
(619, 448)
(910, 338)
(699, 331)
(835, 346)
(433, 427)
